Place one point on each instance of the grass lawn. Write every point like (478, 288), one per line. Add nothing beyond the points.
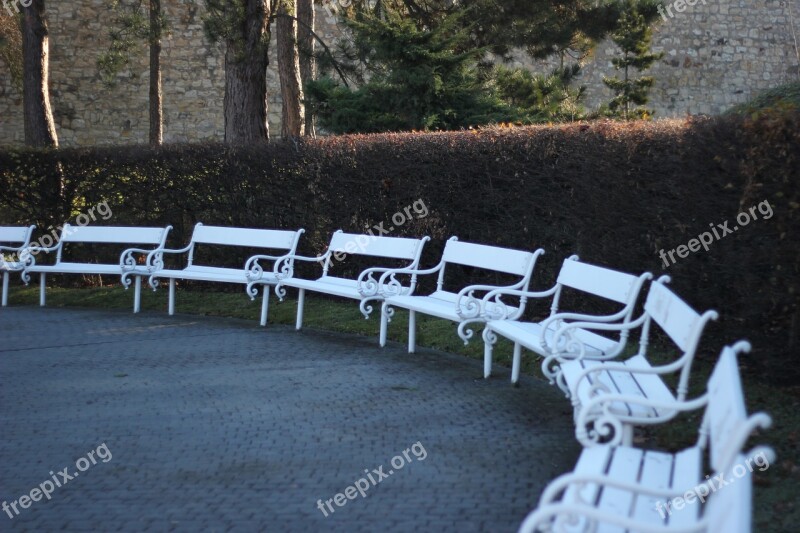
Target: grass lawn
(776, 495)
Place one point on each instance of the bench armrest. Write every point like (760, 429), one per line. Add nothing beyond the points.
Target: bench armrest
(596, 414)
(576, 348)
(412, 271)
(127, 260)
(254, 271)
(491, 306)
(284, 265)
(27, 257)
(619, 367)
(369, 287)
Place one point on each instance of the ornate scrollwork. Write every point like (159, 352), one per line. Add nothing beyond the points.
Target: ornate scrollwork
(368, 287)
(254, 274)
(280, 291)
(252, 290)
(392, 287)
(469, 309)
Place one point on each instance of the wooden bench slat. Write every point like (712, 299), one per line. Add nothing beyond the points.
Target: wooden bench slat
(112, 234)
(599, 281)
(686, 475)
(516, 262)
(244, 237)
(371, 245)
(657, 474)
(624, 467)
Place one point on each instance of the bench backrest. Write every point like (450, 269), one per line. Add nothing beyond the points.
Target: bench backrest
(486, 257)
(680, 322)
(375, 246)
(725, 413)
(245, 237)
(129, 235)
(726, 429)
(731, 508)
(599, 281)
(16, 234)
(399, 248)
(113, 235)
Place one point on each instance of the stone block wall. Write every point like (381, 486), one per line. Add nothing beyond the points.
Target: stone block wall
(717, 53)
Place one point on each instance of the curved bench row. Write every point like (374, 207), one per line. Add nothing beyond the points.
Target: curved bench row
(615, 486)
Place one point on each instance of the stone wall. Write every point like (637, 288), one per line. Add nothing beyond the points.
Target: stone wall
(717, 53)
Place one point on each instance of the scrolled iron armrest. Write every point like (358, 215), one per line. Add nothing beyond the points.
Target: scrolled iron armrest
(367, 284)
(28, 259)
(619, 367)
(253, 269)
(605, 423)
(575, 317)
(469, 307)
(513, 290)
(411, 271)
(578, 350)
(127, 260)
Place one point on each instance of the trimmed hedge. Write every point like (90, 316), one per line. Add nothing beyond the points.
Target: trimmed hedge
(614, 193)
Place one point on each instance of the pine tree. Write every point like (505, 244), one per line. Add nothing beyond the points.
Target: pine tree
(633, 36)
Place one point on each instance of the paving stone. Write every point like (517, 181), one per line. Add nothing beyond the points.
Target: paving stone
(220, 425)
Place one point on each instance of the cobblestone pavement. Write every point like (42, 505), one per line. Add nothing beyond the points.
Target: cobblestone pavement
(217, 424)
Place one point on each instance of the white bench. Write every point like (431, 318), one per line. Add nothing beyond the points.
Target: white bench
(600, 282)
(21, 238)
(269, 239)
(611, 397)
(621, 488)
(461, 306)
(118, 235)
(365, 287)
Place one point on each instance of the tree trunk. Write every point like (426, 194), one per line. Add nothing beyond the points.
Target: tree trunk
(306, 45)
(293, 112)
(156, 112)
(246, 78)
(39, 127)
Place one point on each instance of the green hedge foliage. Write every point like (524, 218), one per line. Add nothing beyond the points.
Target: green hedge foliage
(613, 193)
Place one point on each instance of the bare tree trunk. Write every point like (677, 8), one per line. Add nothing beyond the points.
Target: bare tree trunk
(246, 78)
(156, 112)
(306, 45)
(293, 112)
(40, 129)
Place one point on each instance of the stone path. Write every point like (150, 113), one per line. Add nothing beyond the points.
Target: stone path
(216, 425)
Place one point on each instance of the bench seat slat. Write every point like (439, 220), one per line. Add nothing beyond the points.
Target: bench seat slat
(441, 304)
(346, 288)
(78, 268)
(686, 475)
(592, 461)
(657, 474)
(625, 465)
(245, 237)
(207, 273)
(112, 234)
(528, 334)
